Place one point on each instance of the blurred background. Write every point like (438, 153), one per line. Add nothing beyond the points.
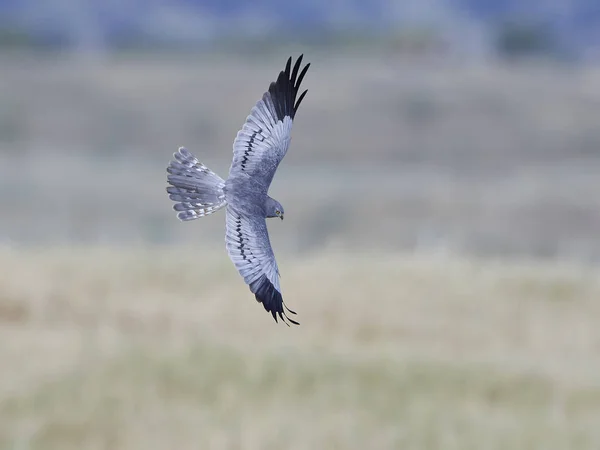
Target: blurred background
(440, 244)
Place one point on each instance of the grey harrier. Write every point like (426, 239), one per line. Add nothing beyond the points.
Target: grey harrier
(258, 149)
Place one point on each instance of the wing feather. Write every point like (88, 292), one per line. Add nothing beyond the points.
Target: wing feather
(264, 138)
(249, 247)
(258, 149)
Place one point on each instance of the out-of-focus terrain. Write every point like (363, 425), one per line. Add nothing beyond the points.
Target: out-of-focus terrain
(387, 153)
(440, 247)
(107, 348)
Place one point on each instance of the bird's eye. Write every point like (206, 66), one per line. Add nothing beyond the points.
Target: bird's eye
(277, 212)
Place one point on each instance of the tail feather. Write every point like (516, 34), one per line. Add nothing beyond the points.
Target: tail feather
(197, 190)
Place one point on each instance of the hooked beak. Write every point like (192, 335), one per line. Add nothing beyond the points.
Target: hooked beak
(281, 216)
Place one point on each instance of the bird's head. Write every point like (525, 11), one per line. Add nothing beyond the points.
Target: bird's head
(274, 208)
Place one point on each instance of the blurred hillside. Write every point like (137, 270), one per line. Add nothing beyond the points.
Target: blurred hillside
(388, 153)
(458, 126)
(565, 27)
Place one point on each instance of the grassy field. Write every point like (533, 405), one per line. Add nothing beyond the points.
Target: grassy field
(117, 331)
(148, 348)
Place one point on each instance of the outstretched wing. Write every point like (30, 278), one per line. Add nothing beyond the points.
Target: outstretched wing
(249, 247)
(265, 137)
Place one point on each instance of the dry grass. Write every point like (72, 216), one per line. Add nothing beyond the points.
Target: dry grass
(155, 348)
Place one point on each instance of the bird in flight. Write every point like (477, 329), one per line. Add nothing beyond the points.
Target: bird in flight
(258, 149)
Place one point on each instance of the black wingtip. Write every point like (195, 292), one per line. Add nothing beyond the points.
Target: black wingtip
(272, 300)
(289, 310)
(285, 90)
(292, 321)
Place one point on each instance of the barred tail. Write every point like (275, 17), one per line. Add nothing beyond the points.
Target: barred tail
(197, 190)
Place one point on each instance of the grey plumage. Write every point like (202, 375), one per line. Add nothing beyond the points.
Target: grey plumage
(258, 149)
(196, 188)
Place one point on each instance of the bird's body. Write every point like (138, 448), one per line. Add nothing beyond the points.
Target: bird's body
(258, 149)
